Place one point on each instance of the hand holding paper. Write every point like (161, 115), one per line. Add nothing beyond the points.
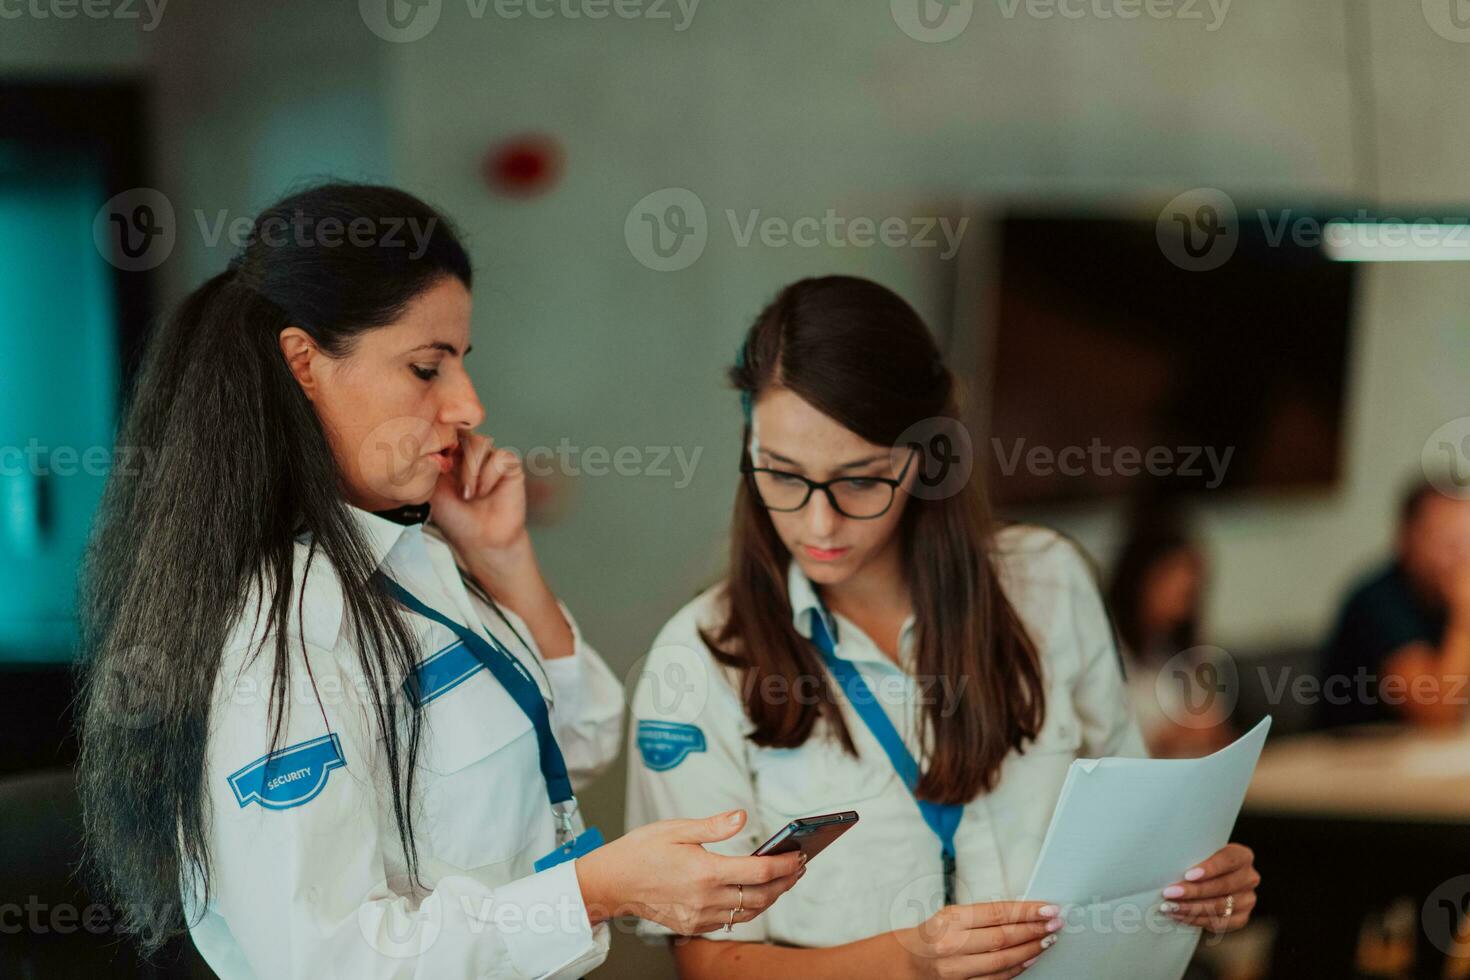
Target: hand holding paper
(1123, 831)
(1219, 893)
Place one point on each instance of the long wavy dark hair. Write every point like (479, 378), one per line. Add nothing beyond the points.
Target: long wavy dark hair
(177, 548)
(861, 355)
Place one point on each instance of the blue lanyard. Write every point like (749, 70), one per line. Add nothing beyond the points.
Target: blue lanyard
(518, 683)
(942, 818)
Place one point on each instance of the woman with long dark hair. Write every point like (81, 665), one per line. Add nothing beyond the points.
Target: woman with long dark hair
(881, 646)
(330, 739)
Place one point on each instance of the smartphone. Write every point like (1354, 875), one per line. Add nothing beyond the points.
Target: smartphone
(810, 835)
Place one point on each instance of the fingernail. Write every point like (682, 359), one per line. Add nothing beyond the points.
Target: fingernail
(1047, 911)
(1048, 942)
(1194, 874)
(1054, 925)
(1030, 961)
(466, 493)
(733, 818)
(1168, 906)
(1174, 891)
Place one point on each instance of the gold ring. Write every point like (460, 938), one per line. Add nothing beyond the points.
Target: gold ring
(739, 907)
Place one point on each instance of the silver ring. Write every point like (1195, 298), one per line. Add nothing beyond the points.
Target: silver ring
(731, 923)
(1229, 905)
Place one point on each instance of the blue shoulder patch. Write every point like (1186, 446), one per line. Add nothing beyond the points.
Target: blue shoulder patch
(665, 744)
(288, 777)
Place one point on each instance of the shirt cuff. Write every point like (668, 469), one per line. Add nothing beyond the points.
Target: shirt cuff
(543, 920)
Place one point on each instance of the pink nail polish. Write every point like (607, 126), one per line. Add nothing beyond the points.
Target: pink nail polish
(1030, 961)
(1048, 911)
(1194, 874)
(1174, 891)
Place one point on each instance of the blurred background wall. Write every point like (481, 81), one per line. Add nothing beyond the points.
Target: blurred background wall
(789, 110)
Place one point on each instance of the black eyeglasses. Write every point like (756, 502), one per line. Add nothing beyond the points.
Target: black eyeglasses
(859, 497)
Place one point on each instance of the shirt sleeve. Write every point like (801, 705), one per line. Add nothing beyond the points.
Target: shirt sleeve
(686, 754)
(1100, 695)
(587, 697)
(299, 874)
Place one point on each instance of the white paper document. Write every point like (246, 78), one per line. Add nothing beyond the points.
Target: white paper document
(1123, 831)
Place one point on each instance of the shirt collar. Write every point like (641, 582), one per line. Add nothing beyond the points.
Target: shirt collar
(804, 600)
(381, 533)
(323, 609)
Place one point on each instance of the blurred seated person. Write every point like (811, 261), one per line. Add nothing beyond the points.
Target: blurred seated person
(1401, 646)
(1156, 594)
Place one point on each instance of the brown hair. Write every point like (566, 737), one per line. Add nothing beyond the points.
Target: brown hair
(859, 354)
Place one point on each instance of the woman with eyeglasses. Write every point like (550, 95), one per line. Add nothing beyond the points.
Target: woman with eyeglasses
(880, 646)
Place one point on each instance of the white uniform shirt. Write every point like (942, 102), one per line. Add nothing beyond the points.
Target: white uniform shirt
(309, 878)
(689, 756)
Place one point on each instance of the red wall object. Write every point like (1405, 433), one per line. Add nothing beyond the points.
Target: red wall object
(524, 166)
